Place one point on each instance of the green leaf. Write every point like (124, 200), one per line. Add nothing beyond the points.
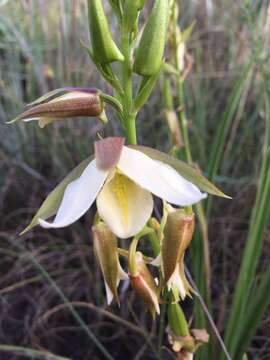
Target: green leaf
(254, 313)
(51, 204)
(187, 171)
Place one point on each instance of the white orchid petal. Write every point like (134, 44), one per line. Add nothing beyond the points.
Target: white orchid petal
(31, 119)
(157, 261)
(175, 280)
(124, 206)
(109, 294)
(78, 197)
(158, 178)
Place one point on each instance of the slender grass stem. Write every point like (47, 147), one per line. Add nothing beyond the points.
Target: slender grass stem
(129, 116)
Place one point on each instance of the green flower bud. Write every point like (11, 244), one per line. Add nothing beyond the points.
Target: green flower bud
(149, 55)
(177, 320)
(139, 4)
(130, 16)
(104, 49)
(131, 11)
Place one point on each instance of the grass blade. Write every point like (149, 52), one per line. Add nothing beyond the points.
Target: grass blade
(253, 248)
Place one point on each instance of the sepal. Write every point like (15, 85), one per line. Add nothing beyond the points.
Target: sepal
(144, 284)
(178, 233)
(105, 248)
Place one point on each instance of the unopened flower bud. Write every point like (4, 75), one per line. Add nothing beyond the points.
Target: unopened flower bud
(105, 248)
(75, 102)
(104, 49)
(149, 55)
(144, 284)
(177, 236)
(131, 11)
(177, 320)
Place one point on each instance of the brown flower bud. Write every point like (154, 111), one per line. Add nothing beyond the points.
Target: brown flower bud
(144, 284)
(75, 102)
(105, 248)
(177, 236)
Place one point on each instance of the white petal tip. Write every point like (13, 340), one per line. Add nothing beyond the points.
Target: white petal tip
(45, 224)
(156, 261)
(109, 294)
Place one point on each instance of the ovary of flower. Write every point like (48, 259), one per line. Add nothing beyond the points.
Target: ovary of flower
(121, 181)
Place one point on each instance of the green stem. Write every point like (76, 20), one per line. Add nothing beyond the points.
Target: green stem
(131, 129)
(129, 116)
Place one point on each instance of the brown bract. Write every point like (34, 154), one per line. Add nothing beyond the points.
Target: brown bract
(108, 151)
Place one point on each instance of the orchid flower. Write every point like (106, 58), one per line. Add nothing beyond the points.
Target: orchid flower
(69, 102)
(122, 181)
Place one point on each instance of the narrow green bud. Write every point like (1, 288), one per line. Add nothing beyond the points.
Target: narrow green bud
(117, 7)
(131, 13)
(130, 16)
(104, 49)
(149, 55)
(177, 320)
(139, 4)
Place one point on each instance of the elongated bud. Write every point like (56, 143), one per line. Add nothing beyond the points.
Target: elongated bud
(149, 55)
(173, 125)
(76, 102)
(177, 320)
(104, 49)
(131, 11)
(144, 284)
(105, 247)
(117, 7)
(139, 4)
(177, 236)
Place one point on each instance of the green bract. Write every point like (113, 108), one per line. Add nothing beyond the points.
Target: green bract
(149, 55)
(104, 49)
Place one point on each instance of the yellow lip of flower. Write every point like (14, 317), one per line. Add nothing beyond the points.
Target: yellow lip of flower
(122, 181)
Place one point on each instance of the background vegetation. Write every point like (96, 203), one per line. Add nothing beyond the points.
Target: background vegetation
(52, 296)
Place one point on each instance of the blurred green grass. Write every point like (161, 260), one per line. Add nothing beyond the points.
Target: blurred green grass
(39, 51)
